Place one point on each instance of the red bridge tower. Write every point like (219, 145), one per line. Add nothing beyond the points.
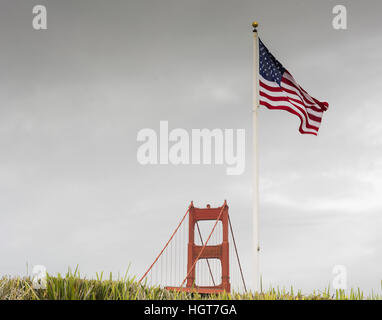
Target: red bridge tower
(197, 252)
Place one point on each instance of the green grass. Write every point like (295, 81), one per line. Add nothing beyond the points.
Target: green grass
(72, 287)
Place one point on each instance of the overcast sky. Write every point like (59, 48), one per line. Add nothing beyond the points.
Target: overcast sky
(74, 96)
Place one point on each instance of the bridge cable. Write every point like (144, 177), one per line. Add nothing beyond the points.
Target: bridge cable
(173, 234)
(237, 254)
(208, 262)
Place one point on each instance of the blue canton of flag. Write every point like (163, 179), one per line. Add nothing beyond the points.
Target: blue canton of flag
(270, 68)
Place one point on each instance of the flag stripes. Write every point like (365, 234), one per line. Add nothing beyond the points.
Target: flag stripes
(292, 99)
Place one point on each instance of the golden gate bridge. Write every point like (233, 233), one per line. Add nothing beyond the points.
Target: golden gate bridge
(199, 257)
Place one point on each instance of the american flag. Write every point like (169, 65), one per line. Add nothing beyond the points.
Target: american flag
(279, 90)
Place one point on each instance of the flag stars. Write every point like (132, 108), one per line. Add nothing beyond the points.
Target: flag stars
(270, 68)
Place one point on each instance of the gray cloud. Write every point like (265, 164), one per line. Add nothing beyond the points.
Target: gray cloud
(73, 98)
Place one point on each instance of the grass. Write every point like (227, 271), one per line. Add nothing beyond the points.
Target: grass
(72, 287)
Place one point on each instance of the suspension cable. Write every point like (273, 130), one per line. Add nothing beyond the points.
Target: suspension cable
(208, 262)
(237, 254)
(173, 234)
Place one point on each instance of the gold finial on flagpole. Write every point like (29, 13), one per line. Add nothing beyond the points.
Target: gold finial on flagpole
(255, 24)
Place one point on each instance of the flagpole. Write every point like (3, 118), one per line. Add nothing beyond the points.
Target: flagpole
(256, 247)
